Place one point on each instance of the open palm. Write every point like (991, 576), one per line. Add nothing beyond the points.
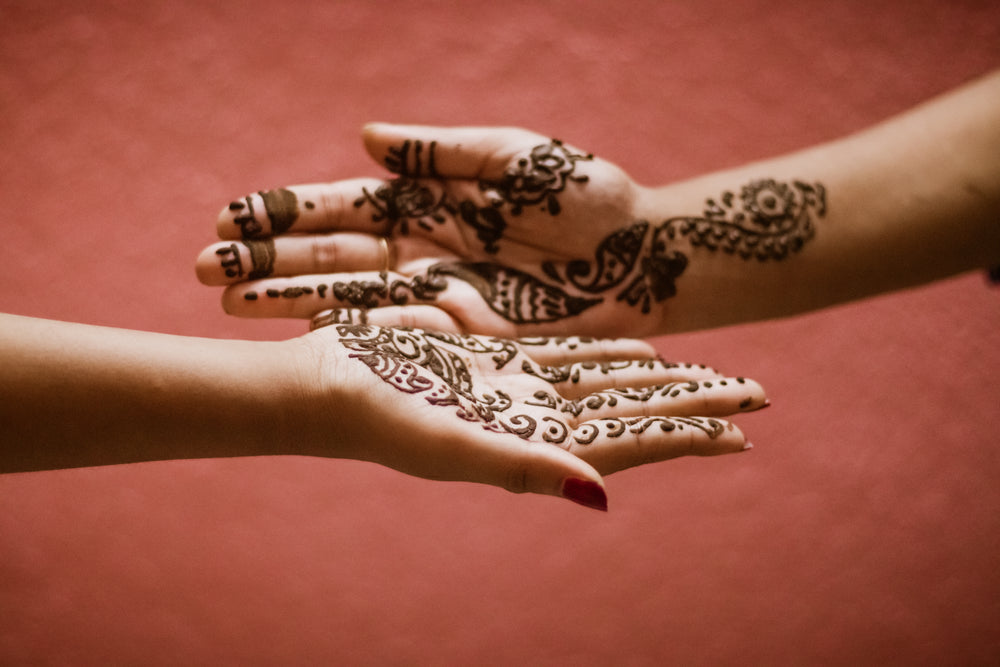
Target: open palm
(531, 415)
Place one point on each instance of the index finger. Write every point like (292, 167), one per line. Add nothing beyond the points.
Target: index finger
(305, 208)
(447, 152)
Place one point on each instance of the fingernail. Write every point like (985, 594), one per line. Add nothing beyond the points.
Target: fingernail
(586, 493)
(747, 445)
(766, 404)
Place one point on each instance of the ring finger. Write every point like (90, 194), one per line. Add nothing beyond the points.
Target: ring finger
(229, 262)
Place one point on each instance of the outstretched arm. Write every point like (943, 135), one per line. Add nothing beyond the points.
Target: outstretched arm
(543, 415)
(504, 231)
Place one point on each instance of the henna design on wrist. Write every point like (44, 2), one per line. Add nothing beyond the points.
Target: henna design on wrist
(280, 205)
(638, 265)
(767, 220)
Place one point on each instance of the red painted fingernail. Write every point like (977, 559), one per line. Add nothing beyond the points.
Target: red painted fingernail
(586, 493)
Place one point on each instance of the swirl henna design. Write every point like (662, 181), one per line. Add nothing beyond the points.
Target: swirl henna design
(612, 397)
(516, 296)
(768, 220)
(421, 363)
(617, 427)
(638, 265)
(571, 372)
(533, 180)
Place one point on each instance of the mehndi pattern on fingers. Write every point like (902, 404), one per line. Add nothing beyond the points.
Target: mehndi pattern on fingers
(535, 180)
(281, 206)
(616, 427)
(261, 259)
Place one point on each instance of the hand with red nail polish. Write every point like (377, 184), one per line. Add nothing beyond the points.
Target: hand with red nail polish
(536, 415)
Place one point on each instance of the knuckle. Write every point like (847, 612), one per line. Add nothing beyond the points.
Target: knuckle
(324, 253)
(516, 479)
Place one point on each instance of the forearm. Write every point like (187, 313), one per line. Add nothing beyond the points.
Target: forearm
(74, 395)
(911, 200)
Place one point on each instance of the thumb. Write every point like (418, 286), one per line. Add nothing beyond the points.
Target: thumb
(521, 466)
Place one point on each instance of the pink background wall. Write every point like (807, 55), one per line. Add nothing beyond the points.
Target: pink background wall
(863, 528)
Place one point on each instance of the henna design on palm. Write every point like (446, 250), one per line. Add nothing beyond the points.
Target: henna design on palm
(432, 365)
(420, 363)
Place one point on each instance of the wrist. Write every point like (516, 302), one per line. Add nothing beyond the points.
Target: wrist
(316, 408)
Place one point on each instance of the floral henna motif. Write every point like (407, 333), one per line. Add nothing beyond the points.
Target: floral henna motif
(767, 220)
(638, 265)
(536, 179)
(420, 362)
(403, 200)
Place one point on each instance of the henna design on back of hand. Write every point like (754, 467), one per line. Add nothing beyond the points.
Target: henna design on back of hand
(535, 180)
(516, 296)
(538, 178)
(768, 221)
(403, 200)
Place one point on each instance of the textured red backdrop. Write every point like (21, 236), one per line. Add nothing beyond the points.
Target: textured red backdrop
(863, 528)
